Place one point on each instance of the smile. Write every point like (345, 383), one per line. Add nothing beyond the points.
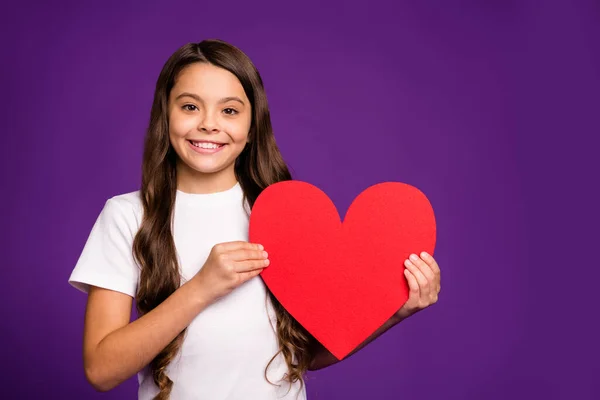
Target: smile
(206, 147)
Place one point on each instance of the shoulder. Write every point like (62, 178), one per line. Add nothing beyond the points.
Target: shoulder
(130, 200)
(125, 207)
(107, 260)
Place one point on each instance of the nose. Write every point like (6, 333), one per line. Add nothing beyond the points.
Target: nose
(208, 123)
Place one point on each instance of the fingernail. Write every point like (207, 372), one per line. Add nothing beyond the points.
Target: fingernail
(265, 254)
(267, 262)
(424, 255)
(260, 247)
(414, 257)
(407, 263)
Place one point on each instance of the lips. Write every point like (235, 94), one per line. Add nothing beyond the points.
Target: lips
(205, 144)
(206, 147)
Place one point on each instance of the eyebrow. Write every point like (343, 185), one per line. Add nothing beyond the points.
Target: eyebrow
(197, 98)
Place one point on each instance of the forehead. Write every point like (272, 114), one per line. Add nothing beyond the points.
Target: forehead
(208, 81)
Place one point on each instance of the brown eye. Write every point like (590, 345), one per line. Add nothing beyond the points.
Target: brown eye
(189, 107)
(230, 111)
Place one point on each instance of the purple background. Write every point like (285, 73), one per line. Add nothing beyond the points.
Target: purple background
(491, 108)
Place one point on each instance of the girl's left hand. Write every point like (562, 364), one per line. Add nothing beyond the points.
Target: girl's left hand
(423, 276)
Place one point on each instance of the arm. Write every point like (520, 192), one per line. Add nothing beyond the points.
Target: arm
(115, 349)
(423, 276)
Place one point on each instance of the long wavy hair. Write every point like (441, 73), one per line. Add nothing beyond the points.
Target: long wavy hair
(259, 165)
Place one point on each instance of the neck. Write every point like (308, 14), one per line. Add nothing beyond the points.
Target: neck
(194, 182)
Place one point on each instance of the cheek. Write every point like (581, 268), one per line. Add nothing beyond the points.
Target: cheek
(238, 130)
(179, 127)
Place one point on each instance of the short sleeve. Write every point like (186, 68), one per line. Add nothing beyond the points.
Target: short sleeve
(107, 257)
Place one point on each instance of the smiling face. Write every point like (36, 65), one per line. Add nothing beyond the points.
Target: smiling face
(209, 121)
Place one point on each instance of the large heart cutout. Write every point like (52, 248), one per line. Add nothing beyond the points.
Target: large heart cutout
(341, 281)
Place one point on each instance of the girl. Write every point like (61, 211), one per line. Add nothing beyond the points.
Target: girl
(208, 328)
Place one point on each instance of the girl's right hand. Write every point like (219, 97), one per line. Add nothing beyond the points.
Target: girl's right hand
(228, 266)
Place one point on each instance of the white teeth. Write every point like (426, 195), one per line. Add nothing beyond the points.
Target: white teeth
(206, 145)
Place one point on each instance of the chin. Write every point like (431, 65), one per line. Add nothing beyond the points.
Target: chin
(208, 168)
(207, 164)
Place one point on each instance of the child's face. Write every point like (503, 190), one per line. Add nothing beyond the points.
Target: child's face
(208, 104)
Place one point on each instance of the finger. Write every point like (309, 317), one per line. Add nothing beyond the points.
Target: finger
(250, 265)
(245, 254)
(413, 285)
(421, 279)
(238, 245)
(245, 276)
(423, 267)
(431, 262)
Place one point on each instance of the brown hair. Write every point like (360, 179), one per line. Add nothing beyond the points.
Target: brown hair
(259, 165)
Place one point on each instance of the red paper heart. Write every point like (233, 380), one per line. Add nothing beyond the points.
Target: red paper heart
(341, 281)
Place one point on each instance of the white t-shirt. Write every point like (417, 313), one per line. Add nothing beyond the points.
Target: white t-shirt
(229, 344)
